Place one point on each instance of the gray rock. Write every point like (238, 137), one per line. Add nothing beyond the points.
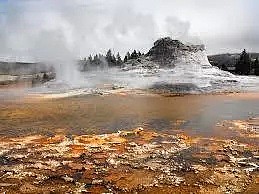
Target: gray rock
(165, 51)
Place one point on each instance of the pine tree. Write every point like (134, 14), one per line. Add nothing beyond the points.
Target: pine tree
(110, 58)
(125, 59)
(128, 55)
(96, 60)
(90, 59)
(256, 66)
(118, 59)
(134, 55)
(114, 61)
(243, 65)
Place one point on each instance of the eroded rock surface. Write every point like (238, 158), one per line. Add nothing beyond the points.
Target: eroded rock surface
(166, 51)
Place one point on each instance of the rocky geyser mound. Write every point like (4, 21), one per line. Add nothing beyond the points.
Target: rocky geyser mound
(166, 53)
(165, 50)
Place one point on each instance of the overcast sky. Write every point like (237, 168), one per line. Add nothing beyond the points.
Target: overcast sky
(74, 28)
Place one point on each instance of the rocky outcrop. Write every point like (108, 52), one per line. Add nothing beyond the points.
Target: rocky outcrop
(166, 51)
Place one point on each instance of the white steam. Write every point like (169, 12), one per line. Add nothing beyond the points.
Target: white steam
(61, 32)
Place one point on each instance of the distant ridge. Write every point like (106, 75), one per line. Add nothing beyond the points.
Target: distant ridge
(227, 61)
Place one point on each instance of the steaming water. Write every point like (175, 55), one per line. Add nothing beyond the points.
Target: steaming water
(192, 74)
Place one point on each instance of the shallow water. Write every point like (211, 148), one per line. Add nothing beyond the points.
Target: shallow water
(223, 109)
(195, 114)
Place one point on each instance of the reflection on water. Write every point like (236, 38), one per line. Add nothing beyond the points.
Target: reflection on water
(227, 109)
(196, 114)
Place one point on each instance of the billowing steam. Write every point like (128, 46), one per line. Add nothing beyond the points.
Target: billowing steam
(61, 33)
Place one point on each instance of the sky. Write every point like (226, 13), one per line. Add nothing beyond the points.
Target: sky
(54, 29)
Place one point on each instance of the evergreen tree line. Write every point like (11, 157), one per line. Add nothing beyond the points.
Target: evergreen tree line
(108, 60)
(246, 66)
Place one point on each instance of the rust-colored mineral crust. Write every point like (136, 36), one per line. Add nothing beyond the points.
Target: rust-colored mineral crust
(139, 160)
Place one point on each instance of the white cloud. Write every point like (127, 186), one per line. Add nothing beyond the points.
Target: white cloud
(60, 29)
